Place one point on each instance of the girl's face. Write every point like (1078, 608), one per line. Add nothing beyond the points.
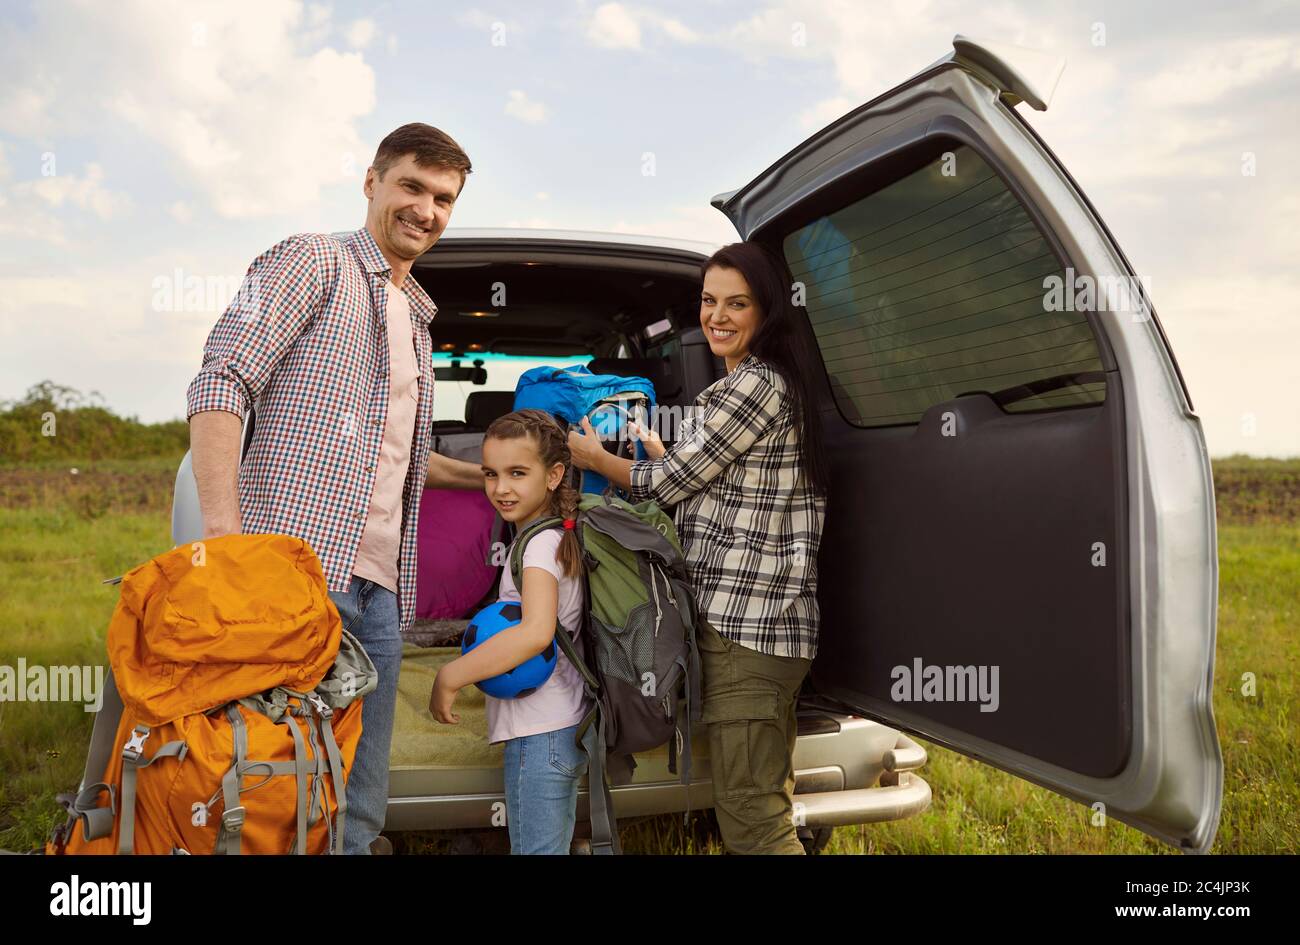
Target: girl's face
(515, 481)
(728, 315)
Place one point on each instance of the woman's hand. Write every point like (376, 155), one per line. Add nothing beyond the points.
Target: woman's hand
(440, 700)
(585, 448)
(654, 447)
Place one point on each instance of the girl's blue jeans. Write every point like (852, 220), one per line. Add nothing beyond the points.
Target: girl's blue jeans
(541, 774)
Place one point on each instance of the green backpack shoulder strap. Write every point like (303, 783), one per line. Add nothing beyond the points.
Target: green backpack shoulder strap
(517, 553)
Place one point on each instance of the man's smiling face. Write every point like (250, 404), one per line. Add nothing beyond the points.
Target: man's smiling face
(410, 206)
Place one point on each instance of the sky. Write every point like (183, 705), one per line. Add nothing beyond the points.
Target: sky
(147, 147)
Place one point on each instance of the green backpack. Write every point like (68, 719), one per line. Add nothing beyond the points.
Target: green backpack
(639, 662)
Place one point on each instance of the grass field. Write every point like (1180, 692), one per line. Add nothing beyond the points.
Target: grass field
(62, 534)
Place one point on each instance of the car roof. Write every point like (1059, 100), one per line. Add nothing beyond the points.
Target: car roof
(702, 247)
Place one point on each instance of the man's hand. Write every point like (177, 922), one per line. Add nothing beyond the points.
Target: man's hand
(441, 698)
(447, 473)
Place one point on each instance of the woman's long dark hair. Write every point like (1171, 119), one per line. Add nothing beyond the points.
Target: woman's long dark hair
(781, 341)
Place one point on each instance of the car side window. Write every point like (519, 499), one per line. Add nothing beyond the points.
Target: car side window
(936, 285)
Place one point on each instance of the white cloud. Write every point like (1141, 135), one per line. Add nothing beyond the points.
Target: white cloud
(1209, 72)
(84, 193)
(613, 26)
(619, 26)
(826, 111)
(534, 223)
(20, 295)
(675, 29)
(525, 109)
(500, 29)
(181, 212)
(361, 33)
(31, 223)
(685, 221)
(246, 108)
(40, 209)
(703, 223)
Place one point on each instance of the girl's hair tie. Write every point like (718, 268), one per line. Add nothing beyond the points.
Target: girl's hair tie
(570, 522)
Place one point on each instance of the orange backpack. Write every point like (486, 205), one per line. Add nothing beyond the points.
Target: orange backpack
(232, 711)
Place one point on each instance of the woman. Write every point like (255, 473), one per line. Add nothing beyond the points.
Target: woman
(748, 480)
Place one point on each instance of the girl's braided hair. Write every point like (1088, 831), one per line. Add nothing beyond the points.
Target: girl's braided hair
(552, 444)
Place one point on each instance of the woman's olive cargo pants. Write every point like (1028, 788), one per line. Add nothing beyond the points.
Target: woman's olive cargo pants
(749, 705)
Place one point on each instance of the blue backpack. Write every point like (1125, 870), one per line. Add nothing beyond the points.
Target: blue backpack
(608, 400)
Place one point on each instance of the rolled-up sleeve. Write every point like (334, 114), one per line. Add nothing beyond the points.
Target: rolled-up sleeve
(733, 419)
(281, 293)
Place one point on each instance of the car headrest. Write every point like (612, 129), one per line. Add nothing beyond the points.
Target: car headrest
(484, 406)
(655, 370)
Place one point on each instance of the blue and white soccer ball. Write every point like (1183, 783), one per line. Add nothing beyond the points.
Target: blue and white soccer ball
(528, 675)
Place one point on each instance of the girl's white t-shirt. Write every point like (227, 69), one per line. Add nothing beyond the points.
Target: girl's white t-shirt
(560, 701)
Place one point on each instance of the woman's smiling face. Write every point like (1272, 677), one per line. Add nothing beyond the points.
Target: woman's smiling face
(728, 315)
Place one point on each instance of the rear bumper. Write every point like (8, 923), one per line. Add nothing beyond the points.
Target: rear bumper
(848, 770)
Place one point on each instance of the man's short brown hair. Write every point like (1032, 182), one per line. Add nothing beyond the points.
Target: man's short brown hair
(431, 148)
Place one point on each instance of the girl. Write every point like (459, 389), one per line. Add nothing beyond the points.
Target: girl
(748, 480)
(525, 463)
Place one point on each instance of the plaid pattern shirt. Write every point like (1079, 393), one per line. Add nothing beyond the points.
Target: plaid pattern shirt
(306, 343)
(749, 523)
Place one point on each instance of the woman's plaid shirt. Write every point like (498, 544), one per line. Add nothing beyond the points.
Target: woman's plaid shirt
(306, 342)
(749, 522)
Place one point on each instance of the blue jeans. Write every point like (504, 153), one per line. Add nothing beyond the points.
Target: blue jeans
(542, 773)
(370, 614)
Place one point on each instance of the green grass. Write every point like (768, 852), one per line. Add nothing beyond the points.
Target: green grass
(61, 536)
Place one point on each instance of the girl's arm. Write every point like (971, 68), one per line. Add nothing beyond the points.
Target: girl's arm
(505, 650)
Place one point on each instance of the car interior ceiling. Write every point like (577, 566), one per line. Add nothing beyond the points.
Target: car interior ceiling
(556, 312)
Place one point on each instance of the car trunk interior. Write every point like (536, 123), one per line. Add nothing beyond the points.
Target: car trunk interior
(633, 314)
(636, 313)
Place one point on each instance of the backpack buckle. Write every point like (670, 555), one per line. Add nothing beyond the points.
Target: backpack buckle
(319, 705)
(134, 748)
(233, 819)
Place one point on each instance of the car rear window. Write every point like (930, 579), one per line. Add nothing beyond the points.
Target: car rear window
(933, 286)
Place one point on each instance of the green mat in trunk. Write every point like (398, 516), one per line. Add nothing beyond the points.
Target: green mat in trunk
(419, 741)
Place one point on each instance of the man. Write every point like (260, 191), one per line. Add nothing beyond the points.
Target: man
(329, 339)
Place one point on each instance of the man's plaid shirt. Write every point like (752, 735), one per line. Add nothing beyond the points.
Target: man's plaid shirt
(749, 522)
(305, 342)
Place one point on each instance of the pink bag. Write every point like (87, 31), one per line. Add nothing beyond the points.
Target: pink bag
(452, 573)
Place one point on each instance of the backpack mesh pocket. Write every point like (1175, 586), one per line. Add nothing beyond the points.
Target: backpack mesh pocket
(627, 652)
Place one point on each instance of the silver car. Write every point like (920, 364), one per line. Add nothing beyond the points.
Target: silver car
(1019, 560)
